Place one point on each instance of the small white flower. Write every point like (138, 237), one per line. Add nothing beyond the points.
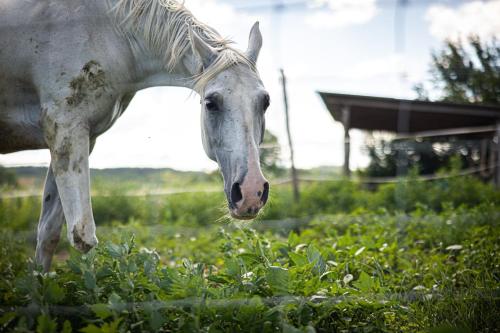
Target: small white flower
(358, 252)
(419, 288)
(348, 278)
(300, 247)
(454, 247)
(332, 263)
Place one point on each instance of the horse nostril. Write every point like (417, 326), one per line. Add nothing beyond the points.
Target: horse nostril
(236, 195)
(265, 195)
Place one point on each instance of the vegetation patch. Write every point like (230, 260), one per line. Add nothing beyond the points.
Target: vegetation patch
(407, 257)
(417, 269)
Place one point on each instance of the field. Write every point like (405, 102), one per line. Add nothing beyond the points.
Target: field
(407, 257)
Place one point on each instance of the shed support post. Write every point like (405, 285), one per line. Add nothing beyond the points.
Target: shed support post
(404, 116)
(483, 159)
(346, 121)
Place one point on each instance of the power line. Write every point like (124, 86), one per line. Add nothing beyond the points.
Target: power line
(279, 182)
(292, 5)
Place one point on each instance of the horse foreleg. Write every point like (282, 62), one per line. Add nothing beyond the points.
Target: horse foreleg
(50, 224)
(69, 145)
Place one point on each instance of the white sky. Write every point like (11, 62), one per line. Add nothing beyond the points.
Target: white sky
(346, 46)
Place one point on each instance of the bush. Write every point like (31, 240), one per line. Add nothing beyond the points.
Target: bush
(388, 272)
(201, 209)
(7, 178)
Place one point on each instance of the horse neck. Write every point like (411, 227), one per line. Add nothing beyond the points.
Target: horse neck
(151, 71)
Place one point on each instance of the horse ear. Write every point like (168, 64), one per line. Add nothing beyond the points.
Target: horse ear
(254, 43)
(206, 53)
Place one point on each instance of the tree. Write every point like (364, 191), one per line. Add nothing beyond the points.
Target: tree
(388, 158)
(270, 152)
(462, 73)
(468, 74)
(270, 155)
(7, 177)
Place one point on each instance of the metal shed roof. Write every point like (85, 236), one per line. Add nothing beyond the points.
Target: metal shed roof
(407, 116)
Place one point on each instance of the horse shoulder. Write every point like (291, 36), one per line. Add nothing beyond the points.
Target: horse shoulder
(117, 110)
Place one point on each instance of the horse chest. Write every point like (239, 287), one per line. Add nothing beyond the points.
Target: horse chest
(19, 116)
(20, 132)
(108, 119)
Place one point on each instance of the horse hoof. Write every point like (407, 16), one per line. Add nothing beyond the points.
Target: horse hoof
(82, 243)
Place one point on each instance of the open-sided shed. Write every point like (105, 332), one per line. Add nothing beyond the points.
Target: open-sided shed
(412, 118)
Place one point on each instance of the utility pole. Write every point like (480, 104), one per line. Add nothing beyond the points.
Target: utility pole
(295, 181)
(497, 176)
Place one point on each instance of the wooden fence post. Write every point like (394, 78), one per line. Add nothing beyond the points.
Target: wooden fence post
(295, 180)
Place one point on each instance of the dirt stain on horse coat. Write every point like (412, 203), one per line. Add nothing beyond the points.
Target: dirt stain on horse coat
(91, 79)
(63, 155)
(77, 165)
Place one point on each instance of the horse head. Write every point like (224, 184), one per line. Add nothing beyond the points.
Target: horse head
(233, 103)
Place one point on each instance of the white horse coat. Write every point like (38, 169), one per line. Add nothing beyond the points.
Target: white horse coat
(68, 70)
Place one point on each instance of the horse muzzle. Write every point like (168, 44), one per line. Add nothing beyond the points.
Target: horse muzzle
(246, 199)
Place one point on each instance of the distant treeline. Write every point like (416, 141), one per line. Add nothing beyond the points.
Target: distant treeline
(7, 177)
(105, 180)
(325, 198)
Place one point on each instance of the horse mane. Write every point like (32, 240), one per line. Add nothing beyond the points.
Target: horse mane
(167, 27)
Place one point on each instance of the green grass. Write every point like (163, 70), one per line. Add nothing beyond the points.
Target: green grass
(343, 273)
(195, 209)
(409, 257)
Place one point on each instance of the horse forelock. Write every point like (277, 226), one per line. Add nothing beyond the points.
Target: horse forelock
(167, 27)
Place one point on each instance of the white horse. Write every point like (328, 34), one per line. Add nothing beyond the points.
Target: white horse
(68, 70)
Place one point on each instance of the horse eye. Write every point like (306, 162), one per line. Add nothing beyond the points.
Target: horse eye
(211, 105)
(267, 102)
